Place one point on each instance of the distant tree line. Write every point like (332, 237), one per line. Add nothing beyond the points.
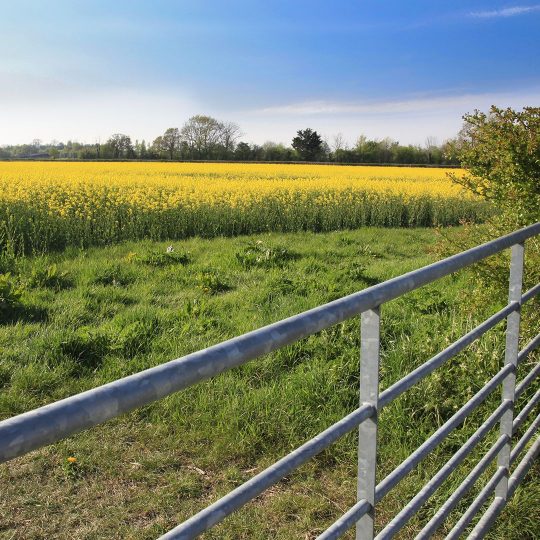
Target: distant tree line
(205, 138)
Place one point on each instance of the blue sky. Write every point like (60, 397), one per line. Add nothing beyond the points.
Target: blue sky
(408, 70)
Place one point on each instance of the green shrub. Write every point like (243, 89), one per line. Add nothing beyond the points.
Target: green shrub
(10, 297)
(49, 277)
(210, 282)
(166, 258)
(265, 256)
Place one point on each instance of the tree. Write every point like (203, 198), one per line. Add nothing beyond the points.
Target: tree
(339, 143)
(156, 149)
(120, 145)
(230, 133)
(431, 146)
(501, 153)
(202, 134)
(308, 144)
(170, 141)
(243, 151)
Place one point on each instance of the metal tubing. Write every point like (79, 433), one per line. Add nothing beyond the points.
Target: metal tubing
(522, 386)
(218, 511)
(520, 418)
(346, 521)
(487, 519)
(367, 431)
(533, 344)
(481, 498)
(56, 421)
(436, 521)
(531, 293)
(408, 511)
(496, 507)
(392, 392)
(510, 358)
(524, 465)
(436, 438)
(527, 436)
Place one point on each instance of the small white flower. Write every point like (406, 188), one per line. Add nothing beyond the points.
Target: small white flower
(170, 249)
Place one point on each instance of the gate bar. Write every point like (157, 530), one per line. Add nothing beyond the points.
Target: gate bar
(495, 508)
(436, 521)
(408, 511)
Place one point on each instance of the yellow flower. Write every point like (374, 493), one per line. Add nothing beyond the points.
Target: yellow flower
(72, 459)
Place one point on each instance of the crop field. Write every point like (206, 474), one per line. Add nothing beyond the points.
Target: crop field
(46, 206)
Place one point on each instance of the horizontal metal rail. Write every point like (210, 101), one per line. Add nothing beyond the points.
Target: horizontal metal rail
(531, 346)
(436, 438)
(531, 293)
(346, 521)
(524, 465)
(56, 421)
(218, 511)
(436, 521)
(420, 453)
(478, 502)
(439, 359)
(496, 507)
(520, 418)
(397, 523)
(524, 384)
(527, 436)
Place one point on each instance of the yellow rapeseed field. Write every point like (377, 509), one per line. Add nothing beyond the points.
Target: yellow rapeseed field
(52, 204)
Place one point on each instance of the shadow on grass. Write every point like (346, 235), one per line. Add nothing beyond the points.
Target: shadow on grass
(23, 313)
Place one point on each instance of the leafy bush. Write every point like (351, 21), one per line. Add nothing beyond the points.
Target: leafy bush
(167, 258)
(265, 256)
(49, 277)
(10, 296)
(210, 282)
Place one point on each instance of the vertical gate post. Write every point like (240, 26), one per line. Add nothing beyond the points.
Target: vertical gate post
(510, 357)
(367, 432)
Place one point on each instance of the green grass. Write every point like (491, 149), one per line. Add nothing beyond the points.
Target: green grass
(86, 317)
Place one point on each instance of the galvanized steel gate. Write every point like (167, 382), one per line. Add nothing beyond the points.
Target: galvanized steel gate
(48, 424)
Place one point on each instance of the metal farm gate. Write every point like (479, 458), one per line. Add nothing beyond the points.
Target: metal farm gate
(50, 423)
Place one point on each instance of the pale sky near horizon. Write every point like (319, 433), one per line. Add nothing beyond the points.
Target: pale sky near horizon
(407, 70)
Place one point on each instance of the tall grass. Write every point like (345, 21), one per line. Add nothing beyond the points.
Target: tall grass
(31, 227)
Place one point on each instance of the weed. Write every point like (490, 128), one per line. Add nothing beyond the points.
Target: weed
(87, 347)
(10, 297)
(49, 277)
(135, 337)
(167, 258)
(210, 282)
(258, 254)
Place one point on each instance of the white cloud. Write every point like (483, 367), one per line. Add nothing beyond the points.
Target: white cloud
(505, 12)
(371, 106)
(408, 120)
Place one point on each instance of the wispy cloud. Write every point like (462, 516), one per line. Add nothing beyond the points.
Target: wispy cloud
(372, 107)
(505, 12)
